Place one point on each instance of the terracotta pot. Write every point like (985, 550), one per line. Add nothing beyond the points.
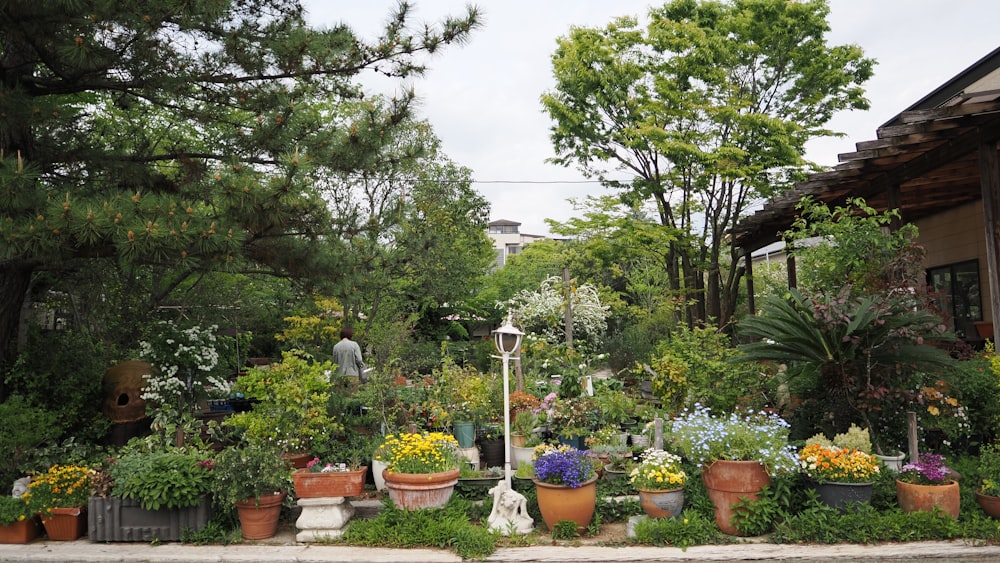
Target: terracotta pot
(913, 498)
(728, 482)
(332, 484)
(66, 524)
(259, 517)
(990, 504)
(297, 460)
(414, 491)
(22, 531)
(839, 495)
(662, 504)
(558, 502)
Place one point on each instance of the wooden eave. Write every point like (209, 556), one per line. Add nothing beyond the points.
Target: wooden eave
(929, 155)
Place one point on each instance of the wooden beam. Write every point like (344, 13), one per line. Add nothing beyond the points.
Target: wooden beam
(751, 306)
(989, 171)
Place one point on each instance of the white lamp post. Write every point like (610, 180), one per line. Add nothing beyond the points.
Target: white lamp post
(508, 341)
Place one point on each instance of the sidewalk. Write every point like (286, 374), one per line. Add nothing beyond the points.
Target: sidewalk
(85, 551)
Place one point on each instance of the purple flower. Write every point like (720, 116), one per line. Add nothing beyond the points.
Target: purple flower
(929, 469)
(564, 466)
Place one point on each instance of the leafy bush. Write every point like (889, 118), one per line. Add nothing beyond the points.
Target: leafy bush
(168, 479)
(62, 372)
(23, 428)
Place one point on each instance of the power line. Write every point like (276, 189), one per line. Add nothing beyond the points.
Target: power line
(535, 181)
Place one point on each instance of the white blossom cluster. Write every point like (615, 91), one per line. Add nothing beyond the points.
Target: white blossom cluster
(183, 362)
(543, 310)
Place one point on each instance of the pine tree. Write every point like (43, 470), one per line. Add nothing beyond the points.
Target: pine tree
(186, 135)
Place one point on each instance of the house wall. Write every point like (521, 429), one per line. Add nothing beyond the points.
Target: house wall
(958, 235)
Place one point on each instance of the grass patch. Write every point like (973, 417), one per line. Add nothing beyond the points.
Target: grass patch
(448, 527)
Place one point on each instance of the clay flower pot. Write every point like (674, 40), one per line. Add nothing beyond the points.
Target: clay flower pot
(729, 481)
(913, 497)
(559, 502)
(414, 491)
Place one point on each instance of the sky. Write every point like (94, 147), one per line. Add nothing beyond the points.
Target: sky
(482, 98)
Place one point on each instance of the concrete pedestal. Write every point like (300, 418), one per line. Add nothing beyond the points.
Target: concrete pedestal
(322, 518)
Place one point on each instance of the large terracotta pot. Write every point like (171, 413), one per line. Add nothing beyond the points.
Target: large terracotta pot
(22, 531)
(66, 524)
(839, 495)
(728, 482)
(414, 491)
(558, 502)
(332, 484)
(990, 504)
(913, 498)
(297, 460)
(662, 504)
(259, 517)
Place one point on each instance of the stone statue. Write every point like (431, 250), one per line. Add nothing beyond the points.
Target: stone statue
(510, 511)
(20, 487)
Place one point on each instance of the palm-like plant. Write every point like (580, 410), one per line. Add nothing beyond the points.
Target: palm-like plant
(861, 347)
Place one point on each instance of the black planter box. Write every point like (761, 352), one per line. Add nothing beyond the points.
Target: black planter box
(113, 519)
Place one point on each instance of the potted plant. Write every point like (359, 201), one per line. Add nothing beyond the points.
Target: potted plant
(320, 479)
(421, 469)
(60, 496)
(255, 479)
(565, 484)
(291, 407)
(151, 495)
(18, 522)
(571, 419)
(928, 482)
(616, 408)
(522, 426)
(841, 475)
(737, 454)
(988, 495)
(660, 482)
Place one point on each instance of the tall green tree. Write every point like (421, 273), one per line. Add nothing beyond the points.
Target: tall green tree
(182, 134)
(703, 112)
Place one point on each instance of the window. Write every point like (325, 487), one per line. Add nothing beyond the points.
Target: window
(503, 229)
(957, 286)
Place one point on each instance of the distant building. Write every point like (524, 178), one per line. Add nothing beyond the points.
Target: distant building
(508, 240)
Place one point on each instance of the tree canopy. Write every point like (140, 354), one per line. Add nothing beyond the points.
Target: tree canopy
(186, 135)
(701, 113)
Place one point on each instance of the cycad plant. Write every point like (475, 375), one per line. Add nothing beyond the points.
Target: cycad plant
(864, 349)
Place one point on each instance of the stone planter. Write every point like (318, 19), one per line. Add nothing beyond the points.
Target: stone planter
(114, 519)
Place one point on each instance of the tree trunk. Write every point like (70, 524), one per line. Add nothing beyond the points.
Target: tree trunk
(14, 282)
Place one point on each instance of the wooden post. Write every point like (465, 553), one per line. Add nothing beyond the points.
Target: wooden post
(911, 433)
(569, 307)
(751, 306)
(989, 177)
(658, 433)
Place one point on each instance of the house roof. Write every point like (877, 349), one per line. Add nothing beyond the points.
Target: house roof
(929, 152)
(503, 222)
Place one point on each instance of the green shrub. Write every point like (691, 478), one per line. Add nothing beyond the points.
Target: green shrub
(565, 530)
(168, 479)
(446, 528)
(687, 529)
(23, 429)
(62, 372)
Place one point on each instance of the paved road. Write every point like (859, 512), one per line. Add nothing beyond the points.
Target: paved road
(271, 551)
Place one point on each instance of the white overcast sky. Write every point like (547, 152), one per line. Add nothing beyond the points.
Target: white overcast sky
(482, 98)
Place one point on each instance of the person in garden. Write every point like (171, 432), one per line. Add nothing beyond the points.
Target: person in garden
(347, 354)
